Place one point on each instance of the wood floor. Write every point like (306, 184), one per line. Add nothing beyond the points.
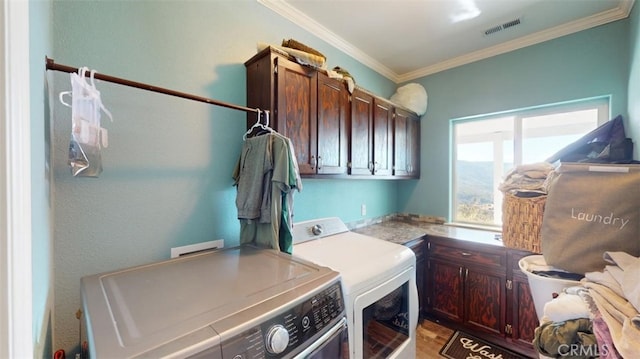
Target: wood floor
(430, 337)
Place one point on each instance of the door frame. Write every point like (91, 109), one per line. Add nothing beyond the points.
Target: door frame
(16, 312)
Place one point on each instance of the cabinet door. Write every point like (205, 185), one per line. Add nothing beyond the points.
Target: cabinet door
(361, 142)
(406, 144)
(445, 290)
(400, 144)
(261, 88)
(413, 139)
(521, 313)
(296, 111)
(382, 138)
(333, 102)
(485, 300)
(524, 319)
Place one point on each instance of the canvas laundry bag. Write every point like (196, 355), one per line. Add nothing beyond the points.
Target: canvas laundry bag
(591, 209)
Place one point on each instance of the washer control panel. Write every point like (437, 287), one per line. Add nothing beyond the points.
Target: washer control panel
(297, 326)
(317, 228)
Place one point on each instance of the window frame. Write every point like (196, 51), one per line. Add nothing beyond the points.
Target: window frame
(601, 103)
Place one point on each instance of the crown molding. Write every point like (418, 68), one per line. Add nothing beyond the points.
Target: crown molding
(299, 18)
(302, 20)
(602, 18)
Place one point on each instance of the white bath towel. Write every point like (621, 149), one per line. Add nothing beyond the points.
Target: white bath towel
(620, 317)
(607, 279)
(627, 275)
(566, 307)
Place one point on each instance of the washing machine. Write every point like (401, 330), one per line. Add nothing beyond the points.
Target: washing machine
(236, 303)
(379, 285)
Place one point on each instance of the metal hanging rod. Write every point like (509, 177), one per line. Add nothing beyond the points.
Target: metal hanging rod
(51, 65)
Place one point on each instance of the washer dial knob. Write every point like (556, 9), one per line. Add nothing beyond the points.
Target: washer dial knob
(277, 339)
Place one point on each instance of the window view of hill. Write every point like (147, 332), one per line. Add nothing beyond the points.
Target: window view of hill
(474, 193)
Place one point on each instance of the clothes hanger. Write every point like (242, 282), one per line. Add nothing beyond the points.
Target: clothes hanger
(263, 128)
(266, 126)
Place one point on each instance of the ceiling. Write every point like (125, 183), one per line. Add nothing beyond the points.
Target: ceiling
(408, 39)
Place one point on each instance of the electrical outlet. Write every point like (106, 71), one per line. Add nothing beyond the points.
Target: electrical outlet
(363, 209)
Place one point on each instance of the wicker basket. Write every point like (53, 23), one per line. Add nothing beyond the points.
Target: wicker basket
(521, 221)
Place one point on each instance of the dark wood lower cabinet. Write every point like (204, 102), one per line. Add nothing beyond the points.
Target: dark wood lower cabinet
(478, 288)
(485, 297)
(417, 246)
(522, 313)
(445, 298)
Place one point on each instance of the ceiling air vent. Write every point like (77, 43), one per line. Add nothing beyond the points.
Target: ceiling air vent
(506, 25)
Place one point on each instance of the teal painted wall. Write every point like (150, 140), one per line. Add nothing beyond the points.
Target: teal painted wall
(41, 193)
(586, 64)
(167, 170)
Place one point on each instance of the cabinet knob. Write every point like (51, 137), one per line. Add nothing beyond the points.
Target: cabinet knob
(313, 162)
(319, 162)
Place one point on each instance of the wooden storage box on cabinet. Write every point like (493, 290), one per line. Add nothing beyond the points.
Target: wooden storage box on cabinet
(306, 105)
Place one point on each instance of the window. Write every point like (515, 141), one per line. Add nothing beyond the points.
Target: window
(485, 147)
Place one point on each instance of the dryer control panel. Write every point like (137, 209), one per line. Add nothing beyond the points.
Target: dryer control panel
(291, 330)
(317, 228)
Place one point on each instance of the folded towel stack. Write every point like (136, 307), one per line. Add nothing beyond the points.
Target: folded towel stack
(528, 178)
(610, 299)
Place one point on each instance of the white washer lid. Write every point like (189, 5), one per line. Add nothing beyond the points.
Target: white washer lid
(133, 310)
(360, 259)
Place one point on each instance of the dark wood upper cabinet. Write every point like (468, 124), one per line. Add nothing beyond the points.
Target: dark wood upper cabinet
(334, 133)
(371, 135)
(361, 141)
(406, 145)
(382, 138)
(333, 118)
(306, 106)
(296, 111)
